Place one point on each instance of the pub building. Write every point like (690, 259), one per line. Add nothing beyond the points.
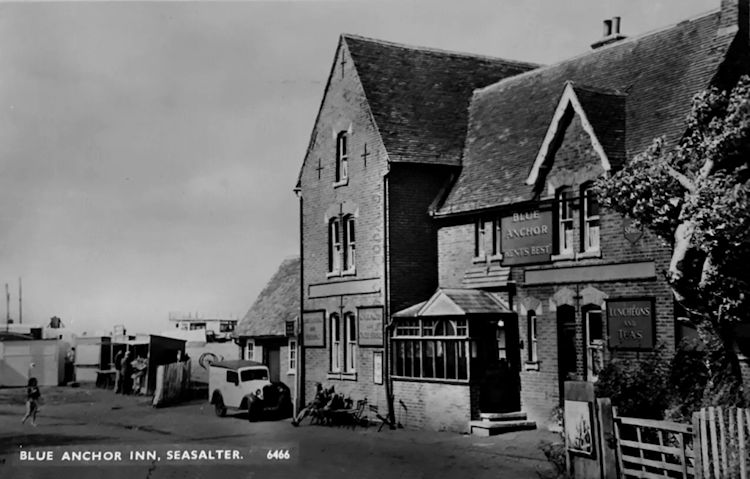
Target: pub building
(535, 283)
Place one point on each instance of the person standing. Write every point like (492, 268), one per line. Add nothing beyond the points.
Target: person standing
(118, 375)
(126, 371)
(32, 401)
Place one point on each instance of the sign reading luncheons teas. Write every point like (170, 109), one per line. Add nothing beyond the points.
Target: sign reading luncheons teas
(527, 237)
(630, 323)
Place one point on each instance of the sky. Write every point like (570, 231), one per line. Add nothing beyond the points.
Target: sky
(149, 150)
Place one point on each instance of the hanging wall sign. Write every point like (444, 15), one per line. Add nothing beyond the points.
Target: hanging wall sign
(313, 328)
(630, 323)
(631, 232)
(370, 326)
(527, 237)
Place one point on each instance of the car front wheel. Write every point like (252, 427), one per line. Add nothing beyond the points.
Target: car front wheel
(219, 407)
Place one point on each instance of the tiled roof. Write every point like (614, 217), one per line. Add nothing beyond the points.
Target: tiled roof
(455, 301)
(606, 110)
(419, 97)
(276, 304)
(656, 75)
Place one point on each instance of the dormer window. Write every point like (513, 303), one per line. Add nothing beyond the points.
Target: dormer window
(342, 157)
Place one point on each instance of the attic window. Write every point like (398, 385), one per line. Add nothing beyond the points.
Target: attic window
(342, 157)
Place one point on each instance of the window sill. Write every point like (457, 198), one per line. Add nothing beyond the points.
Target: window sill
(589, 254)
(496, 257)
(479, 259)
(291, 372)
(531, 366)
(350, 272)
(461, 382)
(343, 182)
(333, 274)
(332, 375)
(563, 257)
(349, 376)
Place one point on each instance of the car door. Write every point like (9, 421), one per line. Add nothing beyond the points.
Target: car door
(233, 389)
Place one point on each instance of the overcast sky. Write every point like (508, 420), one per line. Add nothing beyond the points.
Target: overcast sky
(148, 151)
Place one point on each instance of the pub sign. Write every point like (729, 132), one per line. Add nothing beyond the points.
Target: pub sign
(527, 237)
(631, 323)
(313, 332)
(370, 326)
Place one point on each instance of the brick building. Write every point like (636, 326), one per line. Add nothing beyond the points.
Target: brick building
(479, 237)
(388, 138)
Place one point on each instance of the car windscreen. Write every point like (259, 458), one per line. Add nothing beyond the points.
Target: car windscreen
(253, 375)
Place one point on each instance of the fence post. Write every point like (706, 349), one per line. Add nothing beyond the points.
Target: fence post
(697, 447)
(607, 438)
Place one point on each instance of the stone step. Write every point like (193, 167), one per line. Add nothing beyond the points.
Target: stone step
(493, 428)
(503, 416)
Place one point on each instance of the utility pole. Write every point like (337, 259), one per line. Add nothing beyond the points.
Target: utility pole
(20, 302)
(7, 308)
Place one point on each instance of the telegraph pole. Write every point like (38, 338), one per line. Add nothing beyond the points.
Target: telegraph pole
(20, 302)
(7, 308)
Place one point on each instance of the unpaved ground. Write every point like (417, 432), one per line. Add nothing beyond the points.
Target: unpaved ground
(87, 416)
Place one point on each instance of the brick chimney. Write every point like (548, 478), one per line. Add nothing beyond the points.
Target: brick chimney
(735, 14)
(611, 33)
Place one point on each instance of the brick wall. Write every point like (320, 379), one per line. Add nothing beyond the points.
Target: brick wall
(575, 163)
(433, 406)
(412, 232)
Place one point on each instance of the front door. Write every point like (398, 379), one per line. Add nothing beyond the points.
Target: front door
(566, 347)
(498, 364)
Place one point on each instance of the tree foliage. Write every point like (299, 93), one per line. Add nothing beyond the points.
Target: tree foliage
(695, 195)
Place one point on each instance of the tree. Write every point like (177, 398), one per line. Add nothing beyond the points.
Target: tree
(695, 196)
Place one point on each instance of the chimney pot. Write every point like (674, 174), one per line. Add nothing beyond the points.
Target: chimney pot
(607, 28)
(616, 25)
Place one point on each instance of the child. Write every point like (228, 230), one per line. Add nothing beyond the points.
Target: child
(32, 404)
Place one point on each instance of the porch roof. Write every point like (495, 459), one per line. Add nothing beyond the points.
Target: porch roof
(456, 302)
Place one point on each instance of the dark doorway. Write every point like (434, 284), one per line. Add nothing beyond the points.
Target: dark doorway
(497, 364)
(273, 362)
(566, 346)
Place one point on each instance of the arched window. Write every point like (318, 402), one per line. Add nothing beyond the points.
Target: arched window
(564, 200)
(349, 247)
(342, 157)
(335, 332)
(334, 246)
(350, 353)
(589, 219)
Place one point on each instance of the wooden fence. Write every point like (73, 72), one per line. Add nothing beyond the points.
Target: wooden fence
(714, 446)
(653, 449)
(172, 383)
(721, 436)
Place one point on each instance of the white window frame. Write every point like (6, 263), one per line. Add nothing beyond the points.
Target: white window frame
(250, 350)
(350, 354)
(334, 247)
(349, 263)
(480, 252)
(342, 158)
(565, 222)
(292, 356)
(532, 339)
(591, 224)
(335, 335)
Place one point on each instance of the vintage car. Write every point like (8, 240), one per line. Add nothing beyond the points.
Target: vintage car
(244, 385)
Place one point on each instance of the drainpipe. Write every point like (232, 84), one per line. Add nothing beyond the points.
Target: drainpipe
(300, 380)
(386, 301)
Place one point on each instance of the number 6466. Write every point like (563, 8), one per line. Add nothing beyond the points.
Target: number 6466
(278, 454)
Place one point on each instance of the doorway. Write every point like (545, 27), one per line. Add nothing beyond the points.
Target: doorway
(566, 347)
(273, 361)
(497, 364)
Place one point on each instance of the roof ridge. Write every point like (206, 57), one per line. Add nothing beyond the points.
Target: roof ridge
(596, 89)
(439, 50)
(627, 40)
